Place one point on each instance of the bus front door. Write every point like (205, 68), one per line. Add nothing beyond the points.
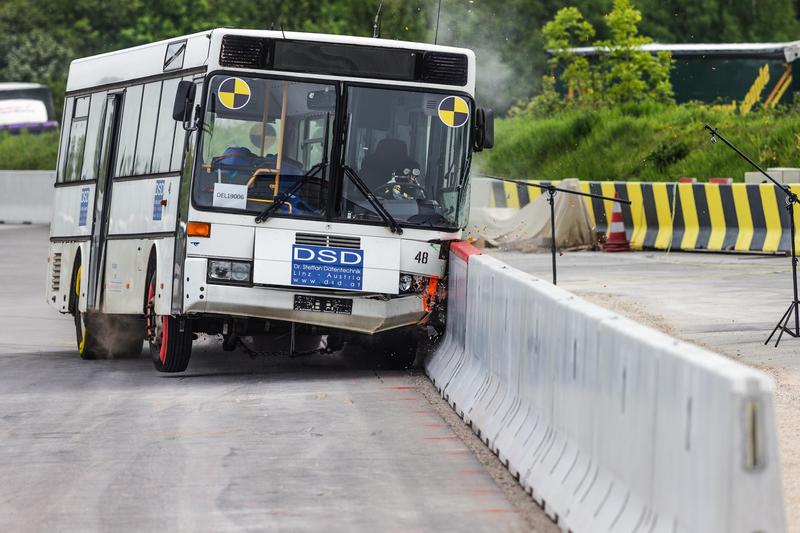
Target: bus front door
(102, 201)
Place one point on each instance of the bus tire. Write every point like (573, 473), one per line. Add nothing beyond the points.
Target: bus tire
(170, 337)
(101, 336)
(85, 325)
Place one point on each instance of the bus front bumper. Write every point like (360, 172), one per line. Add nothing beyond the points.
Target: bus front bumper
(369, 314)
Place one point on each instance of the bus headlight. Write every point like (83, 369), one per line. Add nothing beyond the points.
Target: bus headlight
(412, 284)
(240, 271)
(232, 271)
(406, 283)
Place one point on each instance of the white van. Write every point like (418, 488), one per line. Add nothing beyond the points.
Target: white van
(26, 107)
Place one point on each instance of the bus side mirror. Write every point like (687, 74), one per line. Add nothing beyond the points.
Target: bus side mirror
(184, 98)
(484, 129)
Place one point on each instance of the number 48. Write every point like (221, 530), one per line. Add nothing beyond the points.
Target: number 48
(422, 258)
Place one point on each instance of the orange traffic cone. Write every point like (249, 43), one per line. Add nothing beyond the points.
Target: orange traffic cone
(617, 240)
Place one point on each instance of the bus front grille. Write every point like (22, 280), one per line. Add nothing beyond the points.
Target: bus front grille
(445, 68)
(334, 241)
(243, 52)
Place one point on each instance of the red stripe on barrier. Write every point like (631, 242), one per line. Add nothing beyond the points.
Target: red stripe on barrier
(463, 250)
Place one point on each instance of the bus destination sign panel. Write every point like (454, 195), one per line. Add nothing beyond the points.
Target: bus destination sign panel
(332, 268)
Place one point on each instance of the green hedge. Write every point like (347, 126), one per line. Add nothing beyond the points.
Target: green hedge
(28, 151)
(640, 142)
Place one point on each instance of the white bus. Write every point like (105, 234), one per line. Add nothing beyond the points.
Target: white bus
(237, 182)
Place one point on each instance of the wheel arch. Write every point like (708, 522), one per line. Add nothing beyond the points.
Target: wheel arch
(77, 262)
(160, 261)
(152, 262)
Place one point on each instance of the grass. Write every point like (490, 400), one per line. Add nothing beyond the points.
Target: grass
(28, 151)
(640, 142)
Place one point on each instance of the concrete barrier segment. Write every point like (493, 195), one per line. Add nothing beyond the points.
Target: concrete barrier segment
(610, 425)
(450, 352)
(464, 250)
(26, 196)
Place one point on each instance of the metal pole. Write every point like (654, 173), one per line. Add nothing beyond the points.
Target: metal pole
(717, 135)
(550, 199)
(790, 201)
(556, 189)
(551, 190)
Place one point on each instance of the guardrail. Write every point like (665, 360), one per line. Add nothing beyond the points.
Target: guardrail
(734, 217)
(611, 426)
(26, 196)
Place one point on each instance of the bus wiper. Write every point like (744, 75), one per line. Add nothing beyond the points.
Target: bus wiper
(284, 197)
(361, 186)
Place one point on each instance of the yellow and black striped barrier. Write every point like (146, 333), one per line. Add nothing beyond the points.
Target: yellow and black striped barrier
(682, 216)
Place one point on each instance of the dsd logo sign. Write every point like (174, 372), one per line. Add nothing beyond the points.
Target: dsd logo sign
(334, 268)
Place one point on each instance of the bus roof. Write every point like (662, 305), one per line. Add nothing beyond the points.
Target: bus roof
(201, 51)
(788, 51)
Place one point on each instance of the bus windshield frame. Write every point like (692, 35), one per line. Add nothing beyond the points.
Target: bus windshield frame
(336, 204)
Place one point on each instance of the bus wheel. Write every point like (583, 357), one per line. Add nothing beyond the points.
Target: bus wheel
(101, 336)
(85, 331)
(170, 338)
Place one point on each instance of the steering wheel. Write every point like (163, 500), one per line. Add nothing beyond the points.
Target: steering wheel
(400, 189)
(260, 172)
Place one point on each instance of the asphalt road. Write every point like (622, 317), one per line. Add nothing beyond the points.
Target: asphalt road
(725, 302)
(232, 444)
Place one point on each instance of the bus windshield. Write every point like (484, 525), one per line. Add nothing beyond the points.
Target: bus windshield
(260, 139)
(412, 150)
(263, 142)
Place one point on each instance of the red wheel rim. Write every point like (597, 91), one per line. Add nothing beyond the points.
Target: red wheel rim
(151, 293)
(164, 337)
(150, 315)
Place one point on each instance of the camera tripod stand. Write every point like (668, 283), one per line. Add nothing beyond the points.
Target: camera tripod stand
(790, 201)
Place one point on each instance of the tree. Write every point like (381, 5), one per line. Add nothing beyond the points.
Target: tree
(630, 74)
(506, 34)
(38, 57)
(624, 72)
(715, 21)
(566, 31)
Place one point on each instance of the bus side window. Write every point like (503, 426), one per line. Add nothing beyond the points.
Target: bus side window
(66, 123)
(126, 144)
(91, 152)
(165, 131)
(147, 128)
(77, 139)
(147, 133)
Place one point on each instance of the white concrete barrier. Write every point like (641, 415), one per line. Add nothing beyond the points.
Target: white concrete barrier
(26, 196)
(610, 425)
